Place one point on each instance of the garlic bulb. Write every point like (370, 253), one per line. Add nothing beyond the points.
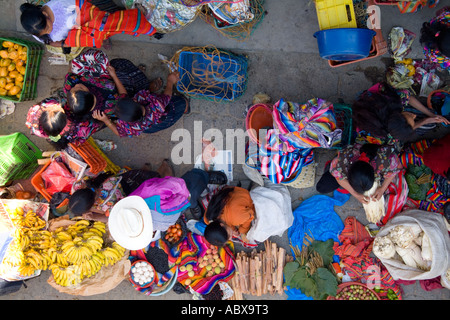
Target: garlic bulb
(401, 236)
(383, 247)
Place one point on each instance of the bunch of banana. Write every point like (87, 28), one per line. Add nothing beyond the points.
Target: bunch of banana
(26, 269)
(35, 259)
(66, 276)
(77, 228)
(112, 255)
(14, 256)
(75, 253)
(58, 256)
(33, 221)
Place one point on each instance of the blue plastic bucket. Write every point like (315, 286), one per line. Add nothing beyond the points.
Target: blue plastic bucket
(344, 44)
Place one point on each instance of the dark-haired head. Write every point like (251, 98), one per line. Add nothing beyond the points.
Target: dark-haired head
(53, 122)
(217, 203)
(361, 176)
(81, 201)
(34, 21)
(129, 110)
(399, 127)
(216, 234)
(81, 102)
(436, 36)
(371, 111)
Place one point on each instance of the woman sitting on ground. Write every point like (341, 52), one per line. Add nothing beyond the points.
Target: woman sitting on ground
(384, 115)
(435, 39)
(49, 120)
(146, 112)
(357, 167)
(229, 215)
(79, 23)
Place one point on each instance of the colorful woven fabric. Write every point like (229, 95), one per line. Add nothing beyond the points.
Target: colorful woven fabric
(97, 26)
(415, 5)
(434, 54)
(435, 197)
(277, 164)
(310, 125)
(395, 197)
(354, 250)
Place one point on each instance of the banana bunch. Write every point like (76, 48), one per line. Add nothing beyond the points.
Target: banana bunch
(29, 220)
(113, 254)
(66, 276)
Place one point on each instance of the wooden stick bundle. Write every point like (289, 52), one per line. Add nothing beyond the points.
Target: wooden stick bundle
(259, 273)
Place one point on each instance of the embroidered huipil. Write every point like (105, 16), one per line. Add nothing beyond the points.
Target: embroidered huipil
(154, 104)
(385, 163)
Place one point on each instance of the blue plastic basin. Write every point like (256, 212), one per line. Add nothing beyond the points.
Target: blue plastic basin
(344, 44)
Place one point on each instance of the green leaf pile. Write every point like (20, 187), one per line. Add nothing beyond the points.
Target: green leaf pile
(417, 191)
(322, 282)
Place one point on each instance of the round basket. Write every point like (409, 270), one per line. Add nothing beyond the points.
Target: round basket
(356, 284)
(147, 284)
(166, 287)
(303, 178)
(259, 116)
(183, 234)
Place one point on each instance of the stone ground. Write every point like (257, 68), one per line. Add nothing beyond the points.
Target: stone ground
(283, 63)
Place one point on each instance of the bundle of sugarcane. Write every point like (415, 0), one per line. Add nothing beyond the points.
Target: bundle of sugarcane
(259, 273)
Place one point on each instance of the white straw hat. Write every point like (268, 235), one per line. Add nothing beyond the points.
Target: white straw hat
(130, 223)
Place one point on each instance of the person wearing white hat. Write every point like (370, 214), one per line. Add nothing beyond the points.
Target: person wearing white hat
(164, 199)
(130, 223)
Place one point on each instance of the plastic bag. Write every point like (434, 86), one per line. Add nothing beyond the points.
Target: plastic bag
(57, 178)
(434, 227)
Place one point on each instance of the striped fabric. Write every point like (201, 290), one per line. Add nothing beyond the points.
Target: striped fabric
(395, 198)
(187, 252)
(435, 196)
(308, 125)
(278, 165)
(97, 26)
(415, 5)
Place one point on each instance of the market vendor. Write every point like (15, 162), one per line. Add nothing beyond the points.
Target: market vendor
(248, 217)
(48, 119)
(435, 39)
(165, 199)
(78, 23)
(357, 167)
(384, 115)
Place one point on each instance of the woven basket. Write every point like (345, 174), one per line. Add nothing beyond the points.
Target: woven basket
(303, 178)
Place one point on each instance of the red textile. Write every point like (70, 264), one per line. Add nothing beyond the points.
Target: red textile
(437, 156)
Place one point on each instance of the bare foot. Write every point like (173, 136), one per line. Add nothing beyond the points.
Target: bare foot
(165, 169)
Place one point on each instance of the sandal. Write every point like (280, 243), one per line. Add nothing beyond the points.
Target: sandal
(156, 85)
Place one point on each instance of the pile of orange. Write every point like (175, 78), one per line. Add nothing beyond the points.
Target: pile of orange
(13, 60)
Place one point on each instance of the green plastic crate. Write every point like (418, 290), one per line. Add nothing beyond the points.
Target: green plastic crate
(34, 56)
(18, 157)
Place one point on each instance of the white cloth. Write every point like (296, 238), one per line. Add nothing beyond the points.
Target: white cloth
(65, 13)
(273, 211)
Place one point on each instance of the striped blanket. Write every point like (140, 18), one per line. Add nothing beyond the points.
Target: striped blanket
(187, 252)
(97, 26)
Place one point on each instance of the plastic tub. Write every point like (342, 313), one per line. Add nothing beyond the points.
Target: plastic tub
(259, 116)
(344, 44)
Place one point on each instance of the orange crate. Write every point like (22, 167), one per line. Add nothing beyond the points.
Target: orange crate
(39, 185)
(379, 47)
(92, 157)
